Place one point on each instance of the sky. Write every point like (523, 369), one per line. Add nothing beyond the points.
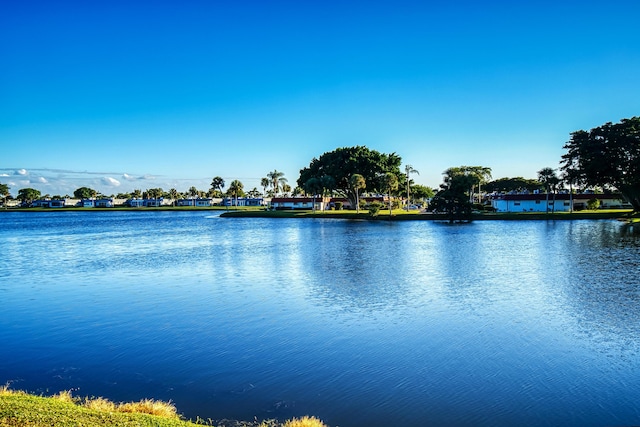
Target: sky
(122, 95)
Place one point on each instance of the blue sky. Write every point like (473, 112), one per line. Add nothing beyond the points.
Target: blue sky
(117, 95)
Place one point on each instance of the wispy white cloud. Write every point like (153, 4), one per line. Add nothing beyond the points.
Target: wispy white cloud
(110, 182)
(138, 178)
(65, 181)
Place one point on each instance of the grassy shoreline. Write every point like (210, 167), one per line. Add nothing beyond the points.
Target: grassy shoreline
(18, 408)
(399, 215)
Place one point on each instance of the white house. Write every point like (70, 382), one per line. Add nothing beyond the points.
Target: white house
(199, 202)
(538, 202)
(288, 203)
(135, 203)
(104, 203)
(243, 201)
(47, 203)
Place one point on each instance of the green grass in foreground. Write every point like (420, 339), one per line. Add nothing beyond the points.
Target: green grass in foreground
(21, 409)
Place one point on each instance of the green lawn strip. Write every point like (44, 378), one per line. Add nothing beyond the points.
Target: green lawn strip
(36, 411)
(400, 215)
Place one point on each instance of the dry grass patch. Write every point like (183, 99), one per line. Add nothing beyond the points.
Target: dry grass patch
(65, 396)
(6, 391)
(305, 422)
(100, 404)
(151, 407)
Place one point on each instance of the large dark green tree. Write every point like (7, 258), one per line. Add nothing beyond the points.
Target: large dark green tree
(421, 192)
(607, 156)
(453, 197)
(28, 195)
(512, 184)
(84, 193)
(342, 163)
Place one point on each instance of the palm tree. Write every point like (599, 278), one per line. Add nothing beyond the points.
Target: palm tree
(357, 182)
(390, 182)
(264, 182)
(217, 184)
(193, 193)
(408, 169)
(235, 188)
(276, 179)
(313, 186)
(548, 178)
(570, 176)
(173, 193)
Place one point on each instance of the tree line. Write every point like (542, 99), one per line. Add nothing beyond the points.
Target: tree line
(605, 158)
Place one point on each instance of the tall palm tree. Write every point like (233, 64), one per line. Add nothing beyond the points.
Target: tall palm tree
(313, 186)
(571, 177)
(390, 182)
(408, 169)
(235, 189)
(264, 182)
(193, 192)
(276, 179)
(548, 178)
(357, 182)
(217, 184)
(173, 193)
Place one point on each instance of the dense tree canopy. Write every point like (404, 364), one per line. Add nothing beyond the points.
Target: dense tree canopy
(512, 184)
(606, 156)
(453, 197)
(28, 195)
(84, 193)
(342, 163)
(421, 192)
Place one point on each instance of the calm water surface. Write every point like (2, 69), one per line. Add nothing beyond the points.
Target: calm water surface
(358, 323)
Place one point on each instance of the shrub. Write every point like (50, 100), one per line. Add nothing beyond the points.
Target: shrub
(593, 204)
(374, 208)
(338, 206)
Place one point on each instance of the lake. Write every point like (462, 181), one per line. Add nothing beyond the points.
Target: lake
(415, 323)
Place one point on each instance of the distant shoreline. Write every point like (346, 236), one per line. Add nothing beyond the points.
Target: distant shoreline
(398, 215)
(621, 214)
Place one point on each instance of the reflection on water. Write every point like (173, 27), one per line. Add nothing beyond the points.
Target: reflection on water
(490, 323)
